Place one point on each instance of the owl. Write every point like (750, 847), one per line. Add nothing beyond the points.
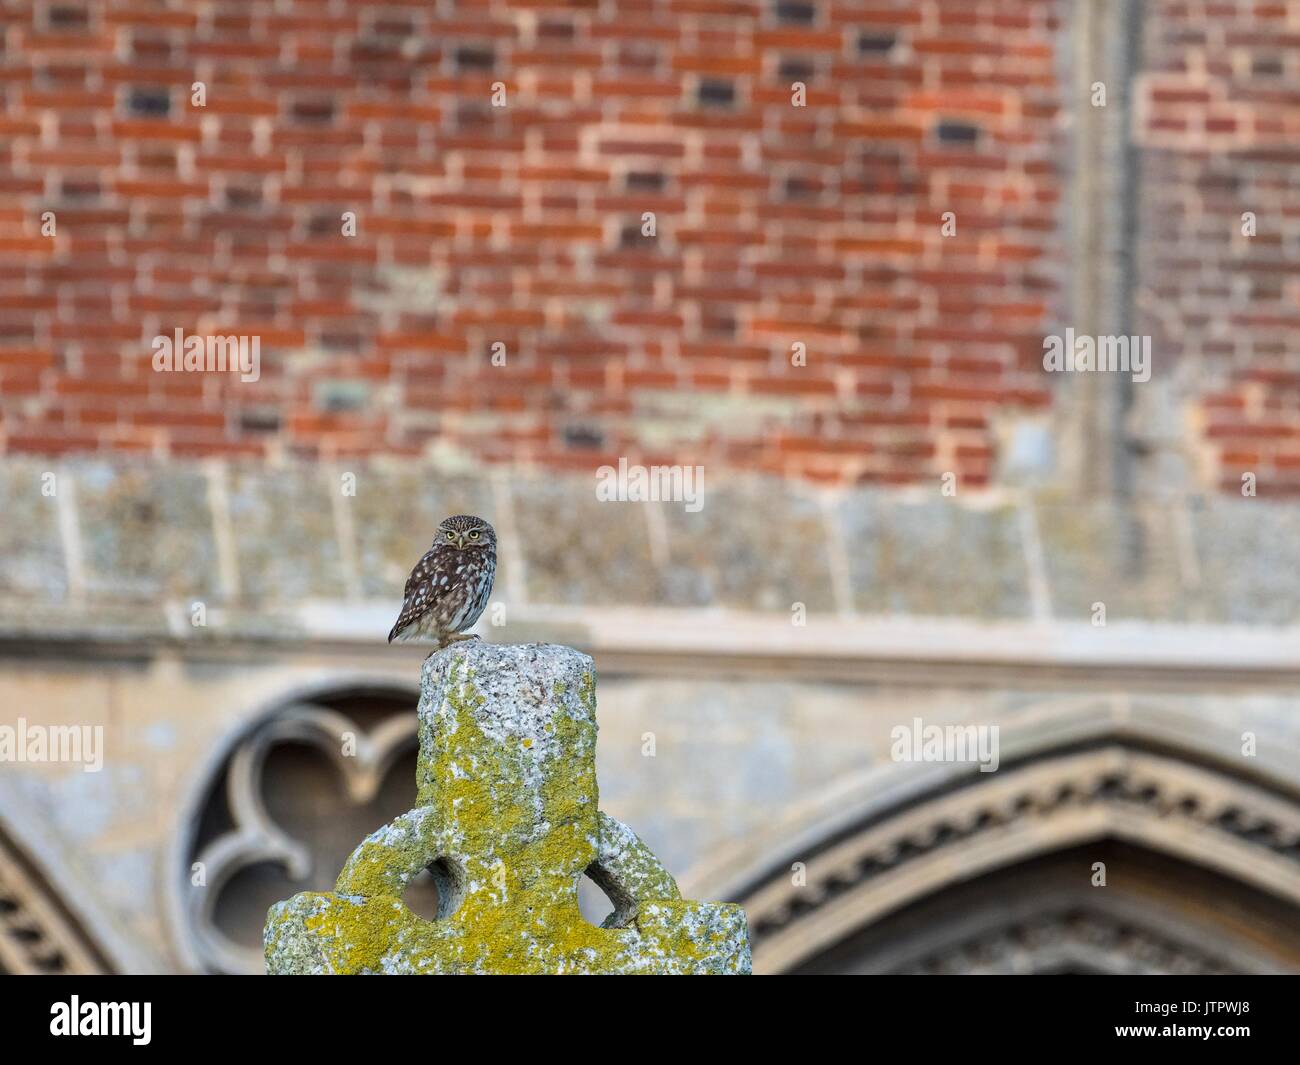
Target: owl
(450, 585)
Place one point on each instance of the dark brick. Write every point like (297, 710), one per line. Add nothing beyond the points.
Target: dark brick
(957, 133)
(870, 43)
(149, 102)
(715, 93)
(795, 12)
(475, 58)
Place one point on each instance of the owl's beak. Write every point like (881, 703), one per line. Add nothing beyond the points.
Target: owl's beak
(460, 541)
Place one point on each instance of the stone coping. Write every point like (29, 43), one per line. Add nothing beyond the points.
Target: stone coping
(130, 547)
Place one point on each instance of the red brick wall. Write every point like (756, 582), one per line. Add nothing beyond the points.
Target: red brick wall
(1219, 113)
(775, 225)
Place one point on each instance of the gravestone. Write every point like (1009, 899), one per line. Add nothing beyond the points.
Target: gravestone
(507, 821)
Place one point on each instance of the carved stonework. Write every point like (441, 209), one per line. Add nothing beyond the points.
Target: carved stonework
(285, 808)
(37, 933)
(1072, 941)
(508, 820)
(1202, 817)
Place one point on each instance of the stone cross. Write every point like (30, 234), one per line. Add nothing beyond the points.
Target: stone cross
(507, 821)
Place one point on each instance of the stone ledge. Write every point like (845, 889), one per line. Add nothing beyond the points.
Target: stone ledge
(264, 541)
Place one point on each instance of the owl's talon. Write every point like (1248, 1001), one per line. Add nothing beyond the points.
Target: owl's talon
(456, 637)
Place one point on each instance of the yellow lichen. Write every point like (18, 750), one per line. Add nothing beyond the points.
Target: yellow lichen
(518, 822)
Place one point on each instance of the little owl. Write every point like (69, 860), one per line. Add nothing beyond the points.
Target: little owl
(450, 585)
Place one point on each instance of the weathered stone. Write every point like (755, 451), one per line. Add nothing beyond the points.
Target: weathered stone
(31, 551)
(1248, 552)
(756, 544)
(419, 499)
(934, 559)
(507, 821)
(581, 551)
(146, 532)
(117, 621)
(286, 543)
(1123, 556)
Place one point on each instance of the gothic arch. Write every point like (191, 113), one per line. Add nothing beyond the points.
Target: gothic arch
(39, 932)
(901, 868)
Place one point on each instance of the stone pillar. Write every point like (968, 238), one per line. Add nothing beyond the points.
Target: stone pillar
(507, 820)
(1117, 440)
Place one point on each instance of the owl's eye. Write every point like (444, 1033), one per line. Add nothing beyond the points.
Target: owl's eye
(473, 535)
(451, 536)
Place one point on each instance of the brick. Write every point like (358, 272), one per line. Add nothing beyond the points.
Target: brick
(478, 223)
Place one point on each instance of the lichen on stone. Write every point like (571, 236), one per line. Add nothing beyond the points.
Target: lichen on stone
(508, 820)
